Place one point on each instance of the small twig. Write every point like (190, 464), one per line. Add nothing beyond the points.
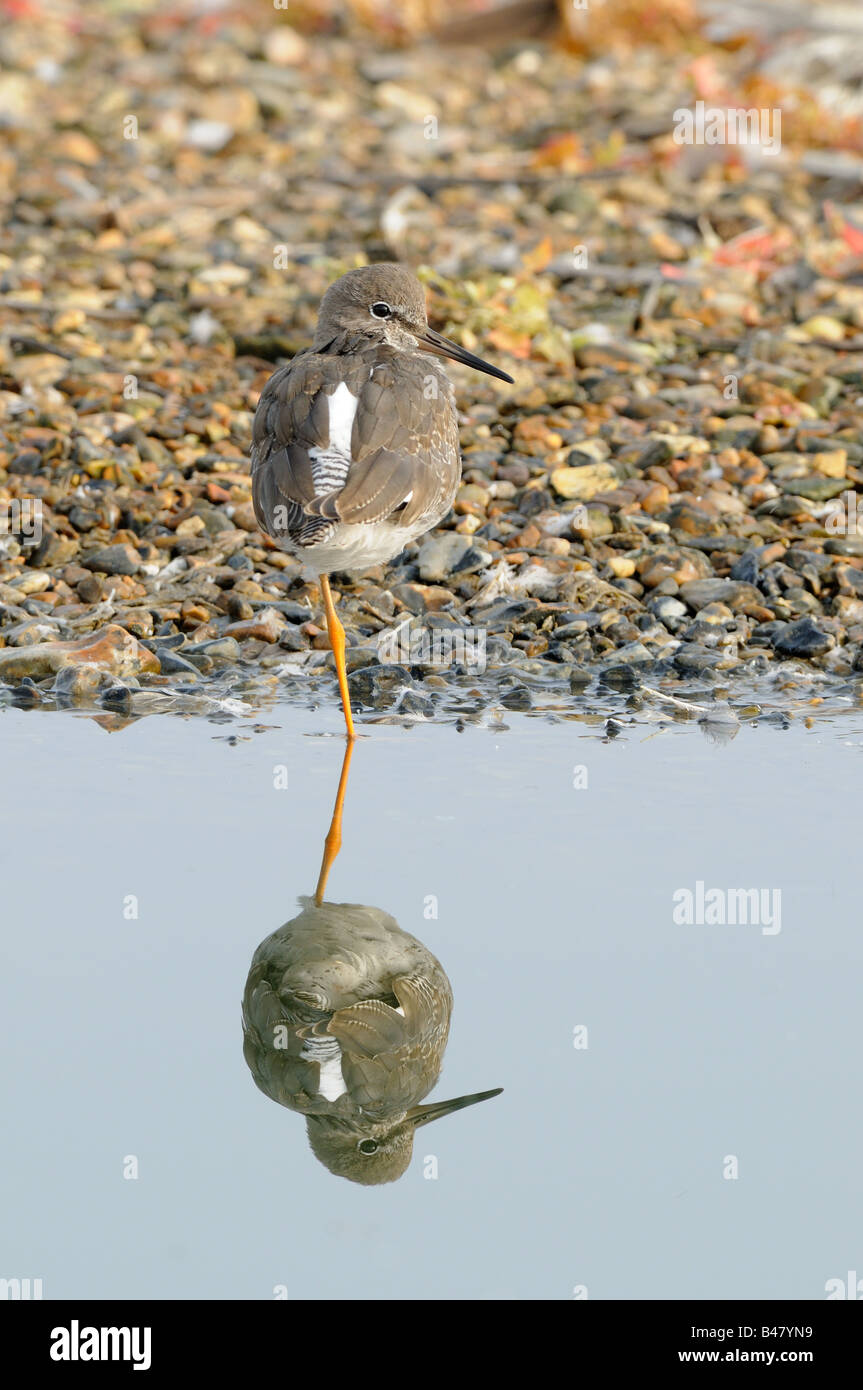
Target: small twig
(673, 700)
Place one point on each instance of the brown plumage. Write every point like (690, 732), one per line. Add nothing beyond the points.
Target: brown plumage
(346, 1019)
(399, 448)
(355, 441)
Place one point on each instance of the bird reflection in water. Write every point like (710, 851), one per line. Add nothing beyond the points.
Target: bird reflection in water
(346, 1019)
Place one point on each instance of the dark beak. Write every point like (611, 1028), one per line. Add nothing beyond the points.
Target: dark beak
(424, 1114)
(433, 342)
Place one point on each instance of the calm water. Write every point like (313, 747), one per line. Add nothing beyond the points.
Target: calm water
(709, 1048)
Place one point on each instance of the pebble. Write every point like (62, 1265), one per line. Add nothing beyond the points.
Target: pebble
(448, 553)
(584, 482)
(113, 560)
(111, 649)
(668, 610)
(266, 626)
(80, 683)
(803, 638)
(698, 593)
(615, 501)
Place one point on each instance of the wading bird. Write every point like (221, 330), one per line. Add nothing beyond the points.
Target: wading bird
(346, 1019)
(355, 441)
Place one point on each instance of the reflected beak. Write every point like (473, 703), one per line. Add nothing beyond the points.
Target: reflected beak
(429, 341)
(424, 1114)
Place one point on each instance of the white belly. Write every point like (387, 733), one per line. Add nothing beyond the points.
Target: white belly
(328, 1055)
(332, 1079)
(358, 546)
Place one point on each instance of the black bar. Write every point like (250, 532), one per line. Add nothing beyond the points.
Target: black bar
(271, 1340)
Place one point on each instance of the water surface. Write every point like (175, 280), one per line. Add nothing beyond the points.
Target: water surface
(600, 1166)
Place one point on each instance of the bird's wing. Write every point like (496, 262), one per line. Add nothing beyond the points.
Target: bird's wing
(369, 1028)
(331, 448)
(372, 1027)
(381, 1046)
(275, 1048)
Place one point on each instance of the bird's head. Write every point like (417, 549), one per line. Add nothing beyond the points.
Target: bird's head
(376, 1153)
(385, 302)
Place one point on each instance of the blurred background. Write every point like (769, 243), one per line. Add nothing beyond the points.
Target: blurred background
(211, 166)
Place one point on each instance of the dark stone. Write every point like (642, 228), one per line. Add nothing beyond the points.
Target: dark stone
(692, 658)
(799, 559)
(90, 589)
(26, 695)
(709, 544)
(697, 593)
(189, 545)
(802, 638)
(172, 664)
(216, 648)
(738, 437)
(767, 632)
(746, 568)
(375, 686)
(814, 488)
(536, 500)
(850, 578)
(293, 612)
(412, 702)
(845, 545)
(239, 609)
(83, 519)
(118, 699)
(114, 559)
(519, 697)
(27, 462)
(620, 677)
(518, 473)
(503, 613)
(291, 639)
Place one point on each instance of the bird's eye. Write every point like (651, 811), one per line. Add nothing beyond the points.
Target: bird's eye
(381, 310)
(368, 1146)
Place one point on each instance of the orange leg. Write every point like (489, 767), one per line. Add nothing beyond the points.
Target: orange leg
(337, 642)
(333, 842)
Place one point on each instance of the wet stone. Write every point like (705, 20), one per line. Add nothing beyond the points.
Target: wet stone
(376, 687)
(80, 683)
(518, 697)
(173, 664)
(110, 648)
(218, 649)
(620, 676)
(692, 658)
(413, 702)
